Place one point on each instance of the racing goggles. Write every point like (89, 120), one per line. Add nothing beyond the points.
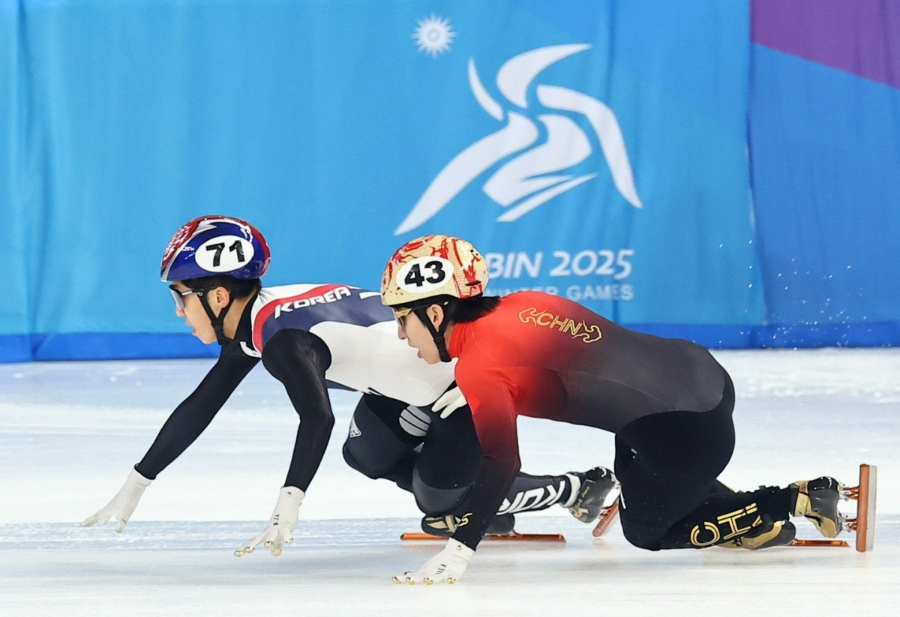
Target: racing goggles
(400, 314)
(178, 295)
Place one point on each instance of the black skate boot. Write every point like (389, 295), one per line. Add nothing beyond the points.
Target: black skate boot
(817, 500)
(501, 525)
(444, 526)
(596, 484)
(779, 533)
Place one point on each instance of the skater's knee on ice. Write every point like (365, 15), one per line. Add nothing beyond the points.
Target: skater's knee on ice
(641, 538)
(644, 543)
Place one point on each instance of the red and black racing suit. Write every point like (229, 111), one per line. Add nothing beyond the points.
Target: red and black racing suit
(667, 401)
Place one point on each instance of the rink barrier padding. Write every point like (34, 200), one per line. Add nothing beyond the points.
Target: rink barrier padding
(102, 346)
(130, 346)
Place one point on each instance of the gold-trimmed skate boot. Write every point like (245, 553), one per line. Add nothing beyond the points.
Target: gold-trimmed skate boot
(444, 526)
(818, 500)
(781, 533)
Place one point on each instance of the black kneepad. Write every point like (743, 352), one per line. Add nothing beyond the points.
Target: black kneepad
(437, 501)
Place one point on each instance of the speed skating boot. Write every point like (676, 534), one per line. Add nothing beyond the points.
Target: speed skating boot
(501, 525)
(779, 533)
(818, 500)
(444, 526)
(596, 484)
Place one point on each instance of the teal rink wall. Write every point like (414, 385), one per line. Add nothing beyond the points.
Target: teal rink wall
(710, 171)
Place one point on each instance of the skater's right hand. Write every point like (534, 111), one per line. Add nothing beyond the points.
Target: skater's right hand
(280, 530)
(123, 504)
(450, 401)
(447, 566)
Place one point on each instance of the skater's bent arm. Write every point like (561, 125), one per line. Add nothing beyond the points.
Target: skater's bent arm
(494, 415)
(195, 413)
(299, 360)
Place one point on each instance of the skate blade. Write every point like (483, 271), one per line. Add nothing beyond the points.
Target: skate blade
(818, 542)
(514, 536)
(864, 494)
(608, 516)
(864, 523)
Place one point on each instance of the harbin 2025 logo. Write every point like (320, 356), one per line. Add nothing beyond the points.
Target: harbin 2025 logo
(528, 161)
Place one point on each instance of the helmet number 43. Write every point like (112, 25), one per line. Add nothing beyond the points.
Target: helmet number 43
(424, 274)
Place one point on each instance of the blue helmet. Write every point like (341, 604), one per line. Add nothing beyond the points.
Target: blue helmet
(215, 245)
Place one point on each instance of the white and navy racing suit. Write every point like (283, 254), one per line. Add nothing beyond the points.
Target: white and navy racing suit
(314, 337)
(310, 338)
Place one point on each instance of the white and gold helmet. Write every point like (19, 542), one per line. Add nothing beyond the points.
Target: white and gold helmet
(432, 269)
(433, 266)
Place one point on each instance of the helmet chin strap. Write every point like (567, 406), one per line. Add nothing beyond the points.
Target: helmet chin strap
(436, 333)
(218, 323)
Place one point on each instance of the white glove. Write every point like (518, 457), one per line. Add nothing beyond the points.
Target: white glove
(450, 401)
(123, 504)
(280, 530)
(447, 566)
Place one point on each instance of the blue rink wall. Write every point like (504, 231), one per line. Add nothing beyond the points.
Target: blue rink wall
(675, 168)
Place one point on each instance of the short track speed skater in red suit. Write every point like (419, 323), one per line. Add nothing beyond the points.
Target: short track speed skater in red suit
(668, 402)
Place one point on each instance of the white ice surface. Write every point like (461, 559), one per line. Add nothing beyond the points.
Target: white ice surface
(70, 432)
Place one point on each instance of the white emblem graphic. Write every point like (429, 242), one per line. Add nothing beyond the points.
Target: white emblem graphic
(354, 430)
(531, 178)
(434, 35)
(249, 351)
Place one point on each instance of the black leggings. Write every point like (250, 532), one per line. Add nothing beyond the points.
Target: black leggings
(435, 459)
(668, 465)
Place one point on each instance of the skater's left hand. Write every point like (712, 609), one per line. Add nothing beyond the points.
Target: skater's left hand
(445, 567)
(123, 504)
(280, 530)
(450, 401)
